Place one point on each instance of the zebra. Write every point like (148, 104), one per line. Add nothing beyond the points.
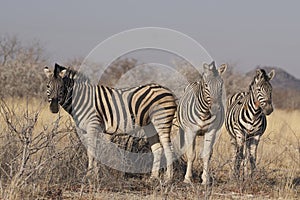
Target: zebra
(114, 111)
(246, 120)
(201, 113)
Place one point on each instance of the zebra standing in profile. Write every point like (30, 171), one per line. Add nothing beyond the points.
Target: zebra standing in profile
(246, 119)
(201, 112)
(98, 109)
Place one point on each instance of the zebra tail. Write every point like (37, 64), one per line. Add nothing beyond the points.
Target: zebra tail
(181, 137)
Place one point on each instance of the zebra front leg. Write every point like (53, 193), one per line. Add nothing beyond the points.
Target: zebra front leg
(239, 156)
(234, 174)
(253, 144)
(209, 141)
(90, 141)
(92, 171)
(190, 137)
(245, 159)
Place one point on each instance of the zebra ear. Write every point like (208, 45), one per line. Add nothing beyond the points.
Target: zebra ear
(48, 72)
(212, 65)
(205, 66)
(63, 73)
(258, 72)
(222, 68)
(271, 74)
(58, 70)
(208, 67)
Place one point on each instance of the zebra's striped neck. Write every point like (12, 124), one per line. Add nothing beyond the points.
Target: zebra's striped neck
(66, 104)
(72, 80)
(79, 96)
(202, 105)
(253, 104)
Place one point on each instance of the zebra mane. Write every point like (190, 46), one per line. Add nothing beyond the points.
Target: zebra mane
(193, 86)
(264, 74)
(261, 74)
(210, 70)
(77, 76)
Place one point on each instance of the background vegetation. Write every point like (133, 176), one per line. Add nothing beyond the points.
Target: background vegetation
(42, 157)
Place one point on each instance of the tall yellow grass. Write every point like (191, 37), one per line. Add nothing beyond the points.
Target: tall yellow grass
(278, 152)
(279, 145)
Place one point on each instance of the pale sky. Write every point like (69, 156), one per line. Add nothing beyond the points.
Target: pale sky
(248, 33)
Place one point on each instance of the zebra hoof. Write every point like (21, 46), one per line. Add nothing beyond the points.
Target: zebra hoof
(207, 181)
(168, 181)
(187, 181)
(154, 181)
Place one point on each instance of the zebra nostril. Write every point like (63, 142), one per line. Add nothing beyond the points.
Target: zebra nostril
(54, 105)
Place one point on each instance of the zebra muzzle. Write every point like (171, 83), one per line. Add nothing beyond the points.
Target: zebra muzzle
(54, 105)
(268, 110)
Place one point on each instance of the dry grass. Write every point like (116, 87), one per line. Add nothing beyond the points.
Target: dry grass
(278, 159)
(58, 168)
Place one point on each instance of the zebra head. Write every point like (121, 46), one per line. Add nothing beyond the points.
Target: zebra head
(56, 89)
(212, 84)
(262, 90)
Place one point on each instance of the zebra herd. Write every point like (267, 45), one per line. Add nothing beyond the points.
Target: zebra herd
(200, 111)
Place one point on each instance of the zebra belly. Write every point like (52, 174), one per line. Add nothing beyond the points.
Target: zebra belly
(121, 128)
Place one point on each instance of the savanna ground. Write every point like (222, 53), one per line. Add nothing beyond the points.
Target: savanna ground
(42, 158)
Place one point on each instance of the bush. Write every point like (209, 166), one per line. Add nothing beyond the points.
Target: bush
(21, 68)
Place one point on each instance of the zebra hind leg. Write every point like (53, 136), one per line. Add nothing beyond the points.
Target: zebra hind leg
(157, 150)
(166, 143)
(162, 129)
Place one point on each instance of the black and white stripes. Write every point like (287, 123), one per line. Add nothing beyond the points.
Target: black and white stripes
(97, 107)
(201, 112)
(246, 119)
